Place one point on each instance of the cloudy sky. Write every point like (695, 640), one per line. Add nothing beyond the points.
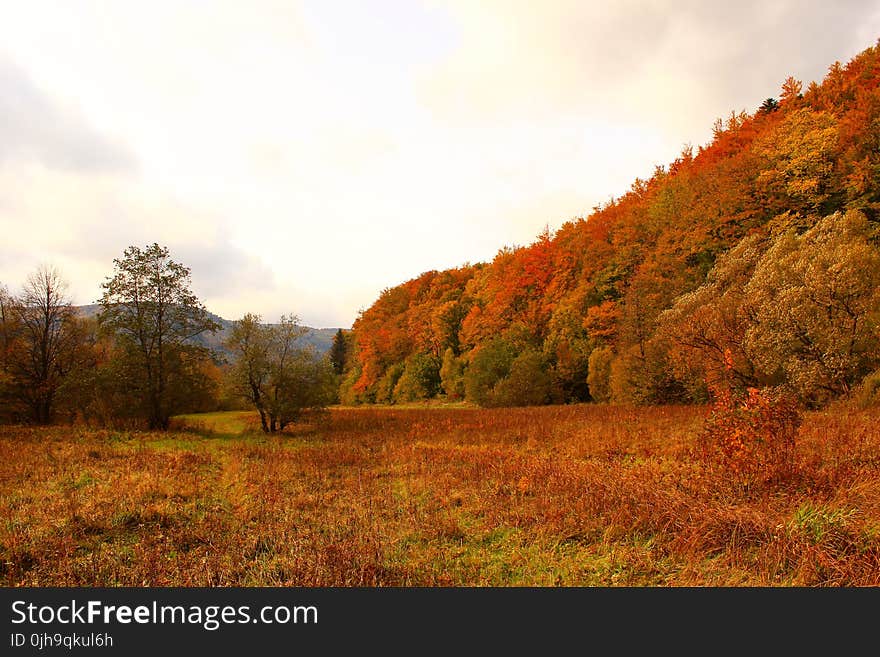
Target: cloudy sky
(300, 156)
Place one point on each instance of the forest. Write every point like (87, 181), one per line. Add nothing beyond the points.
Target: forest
(751, 261)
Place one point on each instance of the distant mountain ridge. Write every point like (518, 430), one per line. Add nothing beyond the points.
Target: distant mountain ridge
(319, 338)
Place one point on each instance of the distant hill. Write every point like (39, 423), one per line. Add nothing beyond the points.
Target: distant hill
(321, 339)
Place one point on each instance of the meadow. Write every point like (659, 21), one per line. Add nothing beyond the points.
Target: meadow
(580, 495)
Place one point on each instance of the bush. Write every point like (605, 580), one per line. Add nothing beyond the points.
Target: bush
(751, 434)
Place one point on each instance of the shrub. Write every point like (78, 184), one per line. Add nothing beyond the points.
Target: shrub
(751, 434)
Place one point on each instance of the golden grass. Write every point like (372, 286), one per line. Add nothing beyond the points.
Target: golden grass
(566, 495)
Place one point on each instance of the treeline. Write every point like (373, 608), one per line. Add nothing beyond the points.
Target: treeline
(138, 363)
(753, 259)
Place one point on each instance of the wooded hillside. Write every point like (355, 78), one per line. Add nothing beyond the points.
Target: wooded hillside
(753, 259)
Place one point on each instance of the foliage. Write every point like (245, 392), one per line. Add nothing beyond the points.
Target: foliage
(529, 383)
(489, 365)
(42, 347)
(599, 377)
(814, 299)
(420, 378)
(153, 315)
(752, 433)
(667, 275)
(452, 375)
(280, 379)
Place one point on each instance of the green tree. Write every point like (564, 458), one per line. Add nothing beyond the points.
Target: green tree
(279, 378)
(769, 105)
(149, 307)
(490, 363)
(527, 384)
(339, 351)
(420, 378)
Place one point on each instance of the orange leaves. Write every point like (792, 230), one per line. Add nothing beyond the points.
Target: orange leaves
(607, 279)
(601, 322)
(751, 434)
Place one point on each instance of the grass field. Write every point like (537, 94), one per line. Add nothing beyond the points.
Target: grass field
(571, 495)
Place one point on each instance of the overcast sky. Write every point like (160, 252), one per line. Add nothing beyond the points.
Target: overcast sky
(302, 156)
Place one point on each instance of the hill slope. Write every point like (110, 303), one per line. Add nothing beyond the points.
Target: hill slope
(694, 275)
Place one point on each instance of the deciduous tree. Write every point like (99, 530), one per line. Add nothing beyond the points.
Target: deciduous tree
(149, 307)
(281, 379)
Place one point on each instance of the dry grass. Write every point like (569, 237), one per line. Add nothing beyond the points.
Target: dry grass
(573, 495)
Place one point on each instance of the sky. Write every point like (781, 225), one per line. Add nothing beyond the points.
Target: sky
(302, 156)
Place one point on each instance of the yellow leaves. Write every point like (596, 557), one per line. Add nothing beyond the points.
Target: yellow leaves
(799, 156)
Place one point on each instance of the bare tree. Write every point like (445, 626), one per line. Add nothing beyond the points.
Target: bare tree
(39, 340)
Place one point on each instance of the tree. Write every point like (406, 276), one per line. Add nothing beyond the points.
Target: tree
(339, 352)
(452, 374)
(791, 89)
(528, 383)
(40, 339)
(706, 328)
(7, 333)
(816, 304)
(280, 379)
(769, 105)
(799, 159)
(599, 377)
(489, 364)
(149, 307)
(420, 378)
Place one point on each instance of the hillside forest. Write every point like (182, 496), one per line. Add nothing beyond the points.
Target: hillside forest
(749, 262)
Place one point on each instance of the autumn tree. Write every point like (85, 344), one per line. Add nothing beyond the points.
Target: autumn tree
(279, 378)
(799, 159)
(706, 328)
(154, 316)
(605, 280)
(40, 343)
(452, 371)
(815, 300)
